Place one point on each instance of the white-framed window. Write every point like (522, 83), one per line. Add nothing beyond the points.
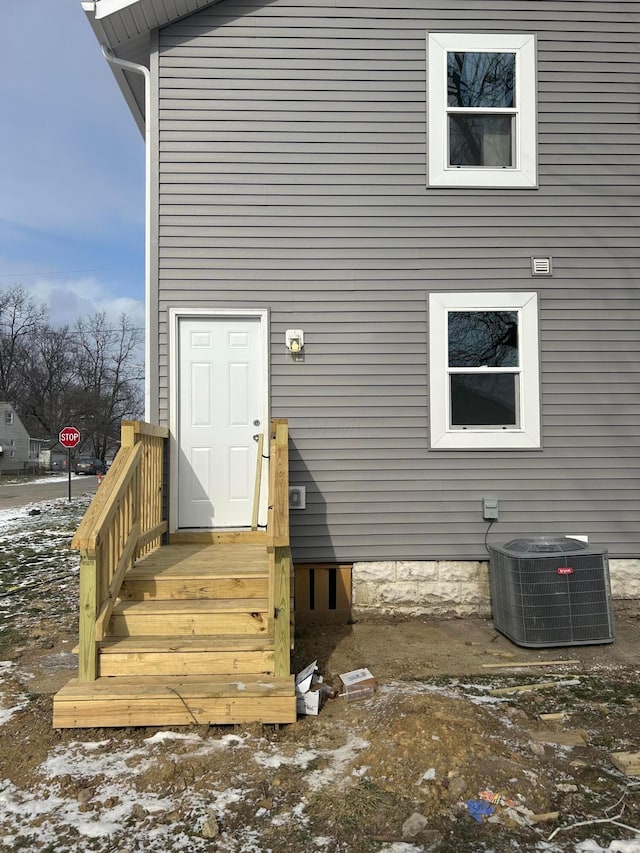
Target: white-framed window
(8, 418)
(484, 374)
(481, 110)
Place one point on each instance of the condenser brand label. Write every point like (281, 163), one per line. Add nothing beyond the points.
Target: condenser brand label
(565, 570)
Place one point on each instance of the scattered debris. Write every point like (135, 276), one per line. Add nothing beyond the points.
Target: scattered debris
(358, 684)
(560, 738)
(525, 688)
(497, 799)
(311, 691)
(626, 762)
(529, 663)
(479, 810)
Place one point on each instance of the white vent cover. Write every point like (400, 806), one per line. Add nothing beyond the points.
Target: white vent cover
(541, 266)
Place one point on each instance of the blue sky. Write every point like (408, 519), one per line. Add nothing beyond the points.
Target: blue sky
(71, 167)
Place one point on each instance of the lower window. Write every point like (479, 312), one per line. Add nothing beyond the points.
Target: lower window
(483, 370)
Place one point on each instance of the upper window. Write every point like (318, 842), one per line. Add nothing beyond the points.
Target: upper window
(483, 368)
(481, 110)
(8, 418)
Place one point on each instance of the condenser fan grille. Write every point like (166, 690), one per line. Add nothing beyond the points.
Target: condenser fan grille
(551, 599)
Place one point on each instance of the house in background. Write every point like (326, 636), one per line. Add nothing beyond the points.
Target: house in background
(413, 230)
(19, 453)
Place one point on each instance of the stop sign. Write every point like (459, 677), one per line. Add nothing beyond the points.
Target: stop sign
(69, 436)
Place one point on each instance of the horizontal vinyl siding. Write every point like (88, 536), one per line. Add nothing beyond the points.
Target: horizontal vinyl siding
(292, 151)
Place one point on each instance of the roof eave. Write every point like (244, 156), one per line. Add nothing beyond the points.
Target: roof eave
(137, 111)
(124, 27)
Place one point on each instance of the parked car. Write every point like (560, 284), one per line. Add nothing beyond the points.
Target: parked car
(89, 465)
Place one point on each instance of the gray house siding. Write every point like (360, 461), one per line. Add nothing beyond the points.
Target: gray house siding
(292, 160)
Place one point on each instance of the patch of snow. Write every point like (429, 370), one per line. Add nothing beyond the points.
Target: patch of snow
(301, 758)
(428, 776)
(337, 762)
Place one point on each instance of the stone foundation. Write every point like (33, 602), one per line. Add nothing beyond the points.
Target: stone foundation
(461, 588)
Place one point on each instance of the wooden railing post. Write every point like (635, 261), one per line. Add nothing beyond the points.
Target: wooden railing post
(278, 545)
(89, 603)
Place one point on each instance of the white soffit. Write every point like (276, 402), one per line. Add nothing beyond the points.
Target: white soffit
(127, 20)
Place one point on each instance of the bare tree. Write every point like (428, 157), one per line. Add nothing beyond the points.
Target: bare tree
(108, 378)
(20, 323)
(48, 382)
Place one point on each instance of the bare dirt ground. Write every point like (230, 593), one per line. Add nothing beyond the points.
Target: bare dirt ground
(399, 771)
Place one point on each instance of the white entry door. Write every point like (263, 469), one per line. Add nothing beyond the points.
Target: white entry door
(221, 410)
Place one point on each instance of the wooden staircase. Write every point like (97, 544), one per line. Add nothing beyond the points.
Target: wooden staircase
(192, 635)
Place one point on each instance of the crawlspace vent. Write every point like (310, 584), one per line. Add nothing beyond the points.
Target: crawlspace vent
(551, 591)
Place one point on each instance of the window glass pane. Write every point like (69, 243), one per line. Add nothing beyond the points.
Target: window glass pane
(483, 338)
(481, 79)
(480, 140)
(484, 399)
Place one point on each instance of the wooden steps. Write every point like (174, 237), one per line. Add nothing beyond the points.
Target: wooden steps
(189, 617)
(188, 642)
(174, 701)
(233, 654)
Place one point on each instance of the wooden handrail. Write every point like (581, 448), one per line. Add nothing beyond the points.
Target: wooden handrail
(124, 520)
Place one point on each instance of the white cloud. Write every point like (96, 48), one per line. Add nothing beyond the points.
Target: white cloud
(72, 298)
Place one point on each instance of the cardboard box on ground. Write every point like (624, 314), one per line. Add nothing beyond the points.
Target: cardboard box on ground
(311, 690)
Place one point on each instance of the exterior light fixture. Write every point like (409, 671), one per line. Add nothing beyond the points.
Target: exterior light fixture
(294, 340)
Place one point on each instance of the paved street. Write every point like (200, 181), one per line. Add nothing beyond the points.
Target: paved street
(20, 494)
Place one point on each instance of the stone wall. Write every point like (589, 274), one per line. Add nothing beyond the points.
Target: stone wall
(442, 587)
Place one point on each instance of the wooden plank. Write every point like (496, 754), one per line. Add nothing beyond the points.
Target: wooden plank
(321, 583)
(174, 701)
(120, 662)
(529, 663)
(278, 532)
(87, 650)
(173, 711)
(626, 762)
(187, 623)
(563, 738)
(170, 608)
(149, 589)
(214, 642)
(206, 559)
(217, 536)
(282, 599)
(523, 688)
(215, 685)
(343, 588)
(302, 590)
(130, 429)
(149, 535)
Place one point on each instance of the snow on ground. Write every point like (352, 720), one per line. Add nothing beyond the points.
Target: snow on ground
(35, 559)
(110, 774)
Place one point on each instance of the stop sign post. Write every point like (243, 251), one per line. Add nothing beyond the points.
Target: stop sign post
(69, 437)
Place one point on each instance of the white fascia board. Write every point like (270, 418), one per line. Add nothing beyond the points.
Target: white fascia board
(104, 8)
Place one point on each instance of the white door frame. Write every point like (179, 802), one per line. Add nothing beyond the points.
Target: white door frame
(175, 316)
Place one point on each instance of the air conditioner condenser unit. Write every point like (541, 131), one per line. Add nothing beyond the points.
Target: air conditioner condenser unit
(551, 591)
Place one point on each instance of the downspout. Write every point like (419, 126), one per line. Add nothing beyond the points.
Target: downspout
(141, 69)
